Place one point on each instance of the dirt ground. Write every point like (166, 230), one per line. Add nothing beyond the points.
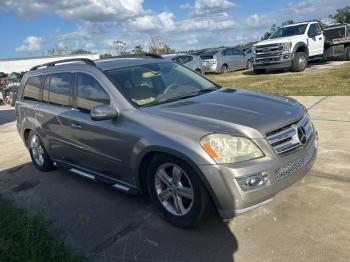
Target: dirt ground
(306, 222)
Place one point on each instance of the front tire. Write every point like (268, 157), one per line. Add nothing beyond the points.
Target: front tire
(299, 62)
(38, 153)
(177, 191)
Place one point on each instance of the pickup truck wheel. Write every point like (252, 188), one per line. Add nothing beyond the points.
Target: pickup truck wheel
(177, 191)
(38, 153)
(299, 62)
(259, 71)
(347, 53)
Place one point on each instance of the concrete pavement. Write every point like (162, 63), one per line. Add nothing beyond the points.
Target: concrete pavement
(306, 222)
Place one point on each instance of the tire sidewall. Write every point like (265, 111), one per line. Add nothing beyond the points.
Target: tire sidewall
(296, 66)
(47, 165)
(224, 69)
(200, 199)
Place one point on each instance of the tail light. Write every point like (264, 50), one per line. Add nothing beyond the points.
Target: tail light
(214, 60)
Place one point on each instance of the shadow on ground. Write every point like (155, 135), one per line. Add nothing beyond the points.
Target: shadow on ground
(109, 225)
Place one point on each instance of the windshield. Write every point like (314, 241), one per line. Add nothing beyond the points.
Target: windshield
(158, 83)
(289, 31)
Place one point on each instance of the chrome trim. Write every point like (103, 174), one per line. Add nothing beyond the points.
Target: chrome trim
(121, 187)
(286, 138)
(82, 173)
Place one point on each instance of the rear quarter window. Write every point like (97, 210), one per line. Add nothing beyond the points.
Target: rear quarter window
(31, 90)
(59, 86)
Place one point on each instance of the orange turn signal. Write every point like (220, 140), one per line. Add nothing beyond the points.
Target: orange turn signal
(210, 151)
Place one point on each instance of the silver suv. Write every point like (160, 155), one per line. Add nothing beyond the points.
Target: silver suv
(149, 125)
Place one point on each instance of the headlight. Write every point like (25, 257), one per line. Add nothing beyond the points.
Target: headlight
(225, 149)
(287, 47)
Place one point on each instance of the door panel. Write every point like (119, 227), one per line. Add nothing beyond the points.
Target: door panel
(315, 43)
(101, 146)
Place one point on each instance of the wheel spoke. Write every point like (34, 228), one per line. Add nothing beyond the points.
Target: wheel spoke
(180, 209)
(176, 173)
(165, 195)
(185, 192)
(164, 177)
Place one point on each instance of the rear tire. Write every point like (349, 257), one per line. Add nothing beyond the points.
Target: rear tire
(347, 53)
(249, 65)
(299, 62)
(259, 71)
(177, 191)
(198, 71)
(224, 69)
(40, 158)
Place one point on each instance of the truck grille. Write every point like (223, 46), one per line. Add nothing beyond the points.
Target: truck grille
(292, 136)
(268, 53)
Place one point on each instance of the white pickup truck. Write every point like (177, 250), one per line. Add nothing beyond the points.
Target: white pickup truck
(292, 46)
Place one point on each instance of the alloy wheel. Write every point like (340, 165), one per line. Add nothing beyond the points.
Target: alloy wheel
(174, 189)
(37, 150)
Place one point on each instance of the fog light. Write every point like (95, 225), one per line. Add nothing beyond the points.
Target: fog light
(252, 182)
(286, 56)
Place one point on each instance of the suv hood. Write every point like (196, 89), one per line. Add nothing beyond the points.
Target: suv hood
(237, 112)
(280, 40)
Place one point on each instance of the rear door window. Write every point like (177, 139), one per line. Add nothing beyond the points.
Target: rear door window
(32, 89)
(59, 86)
(89, 93)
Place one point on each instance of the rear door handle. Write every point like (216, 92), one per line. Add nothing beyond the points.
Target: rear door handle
(75, 125)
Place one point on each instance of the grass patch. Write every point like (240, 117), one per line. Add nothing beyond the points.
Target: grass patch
(26, 237)
(312, 82)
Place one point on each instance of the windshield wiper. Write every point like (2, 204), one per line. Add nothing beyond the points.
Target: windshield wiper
(184, 96)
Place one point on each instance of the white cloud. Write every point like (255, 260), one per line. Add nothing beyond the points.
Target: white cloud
(185, 6)
(89, 10)
(205, 7)
(162, 22)
(192, 40)
(30, 44)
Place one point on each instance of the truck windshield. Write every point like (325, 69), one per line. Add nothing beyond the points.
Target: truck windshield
(289, 31)
(157, 83)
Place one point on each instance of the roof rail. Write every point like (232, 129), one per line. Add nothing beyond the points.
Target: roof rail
(53, 63)
(136, 56)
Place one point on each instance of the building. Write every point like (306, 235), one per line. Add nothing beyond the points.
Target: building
(24, 64)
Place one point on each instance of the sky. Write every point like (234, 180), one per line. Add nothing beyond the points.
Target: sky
(31, 27)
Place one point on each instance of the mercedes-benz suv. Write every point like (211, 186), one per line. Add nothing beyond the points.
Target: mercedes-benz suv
(149, 125)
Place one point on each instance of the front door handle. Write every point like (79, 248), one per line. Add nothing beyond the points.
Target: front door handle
(320, 38)
(75, 125)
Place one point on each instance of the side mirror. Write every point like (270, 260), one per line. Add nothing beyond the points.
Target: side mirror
(103, 112)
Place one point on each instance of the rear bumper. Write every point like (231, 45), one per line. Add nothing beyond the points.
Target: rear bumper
(231, 200)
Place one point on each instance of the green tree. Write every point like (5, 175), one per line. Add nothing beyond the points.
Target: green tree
(159, 46)
(80, 52)
(342, 15)
(138, 50)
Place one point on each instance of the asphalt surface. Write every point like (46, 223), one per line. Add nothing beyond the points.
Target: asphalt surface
(306, 222)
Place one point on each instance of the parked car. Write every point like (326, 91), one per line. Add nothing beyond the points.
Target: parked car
(149, 125)
(222, 60)
(292, 46)
(190, 61)
(249, 54)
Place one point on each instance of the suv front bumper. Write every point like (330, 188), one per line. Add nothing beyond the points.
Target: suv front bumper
(231, 200)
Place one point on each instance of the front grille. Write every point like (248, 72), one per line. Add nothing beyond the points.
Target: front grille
(290, 137)
(289, 169)
(268, 53)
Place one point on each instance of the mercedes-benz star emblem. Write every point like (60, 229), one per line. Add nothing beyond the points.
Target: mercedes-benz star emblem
(301, 135)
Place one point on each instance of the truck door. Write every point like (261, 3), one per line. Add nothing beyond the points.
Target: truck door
(315, 40)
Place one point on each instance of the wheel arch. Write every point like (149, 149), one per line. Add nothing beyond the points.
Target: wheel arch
(301, 47)
(145, 160)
